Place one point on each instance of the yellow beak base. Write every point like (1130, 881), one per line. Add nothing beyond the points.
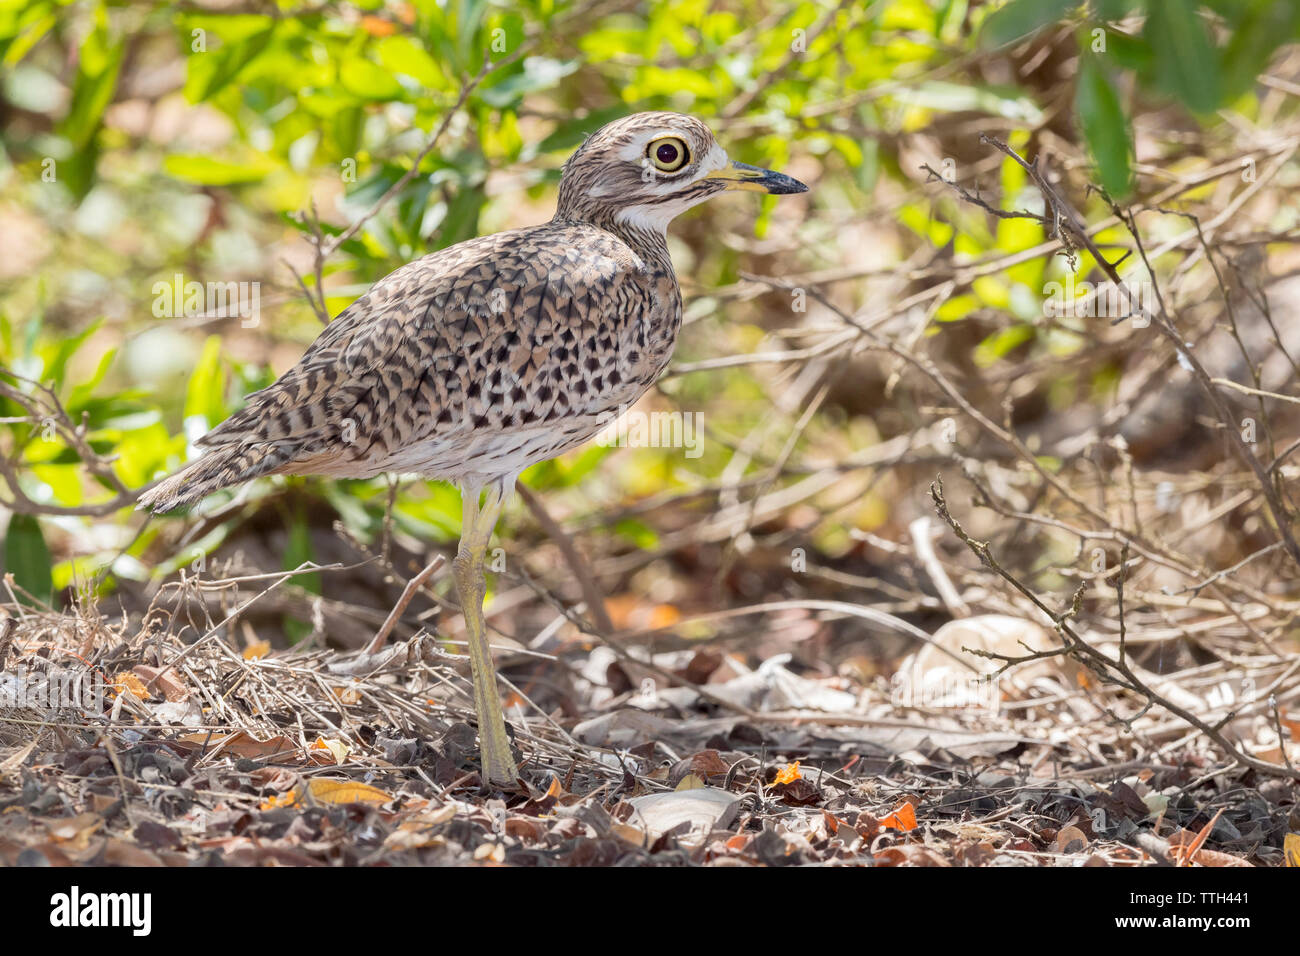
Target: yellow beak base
(757, 180)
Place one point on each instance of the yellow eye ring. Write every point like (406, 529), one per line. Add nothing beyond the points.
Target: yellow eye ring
(668, 153)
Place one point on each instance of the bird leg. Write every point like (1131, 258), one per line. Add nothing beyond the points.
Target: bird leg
(498, 764)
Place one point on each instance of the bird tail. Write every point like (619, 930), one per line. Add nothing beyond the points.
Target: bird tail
(219, 468)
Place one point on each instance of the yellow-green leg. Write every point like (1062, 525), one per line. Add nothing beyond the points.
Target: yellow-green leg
(498, 764)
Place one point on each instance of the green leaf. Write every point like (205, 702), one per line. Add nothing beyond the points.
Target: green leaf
(92, 91)
(368, 80)
(957, 308)
(404, 55)
(205, 395)
(1105, 127)
(638, 532)
(38, 20)
(461, 221)
(27, 558)
(1185, 61)
(506, 88)
(78, 171)
(1001, 343)
(570, 133)
(206, 171)
(210, 71)
(82, 397)
(299, 551)
(1130, 53)
(347, 125)
(1110, 10)
(194, 550)
(57, 357)
(1019, 18)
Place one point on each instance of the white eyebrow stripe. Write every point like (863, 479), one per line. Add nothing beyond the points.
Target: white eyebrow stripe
(715, 160)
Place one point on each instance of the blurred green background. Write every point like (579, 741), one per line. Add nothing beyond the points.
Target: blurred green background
(145, 141)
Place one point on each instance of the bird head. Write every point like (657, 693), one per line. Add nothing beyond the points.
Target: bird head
(647, 168)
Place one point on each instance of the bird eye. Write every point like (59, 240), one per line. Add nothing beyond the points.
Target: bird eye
(668, 154)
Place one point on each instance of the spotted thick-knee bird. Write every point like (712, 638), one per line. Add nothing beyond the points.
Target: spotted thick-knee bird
(476, 361)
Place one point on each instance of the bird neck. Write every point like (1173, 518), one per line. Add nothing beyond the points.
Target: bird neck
(649, 240)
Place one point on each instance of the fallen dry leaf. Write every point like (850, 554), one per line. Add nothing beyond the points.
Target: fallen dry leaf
(74, 833)
(631, 834)
(788, 774)
(909, 855)
(1070, 839)
(1215, 858)
(438, 815)
(703, 808)
(324, 790)
(334, 747)
(709, 763)
(121, 853)
(16, 759)
(524, 828)
(346, 694)
(242, 744)
(407, 837)
(1184, 852)
(124, 681)
(902, 818)
(163, 681)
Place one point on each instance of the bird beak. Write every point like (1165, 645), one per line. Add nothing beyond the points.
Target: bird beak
(754, 179)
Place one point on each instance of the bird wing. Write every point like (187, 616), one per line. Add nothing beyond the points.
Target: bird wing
(494, 334)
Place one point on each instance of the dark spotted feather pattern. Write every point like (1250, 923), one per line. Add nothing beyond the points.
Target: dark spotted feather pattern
(476, 361)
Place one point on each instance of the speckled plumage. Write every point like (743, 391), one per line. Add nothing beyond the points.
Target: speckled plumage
(478, 360)
(473, 362)
(470, 363)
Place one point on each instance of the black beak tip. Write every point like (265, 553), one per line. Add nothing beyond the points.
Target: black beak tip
(770, 181)
(779, 184)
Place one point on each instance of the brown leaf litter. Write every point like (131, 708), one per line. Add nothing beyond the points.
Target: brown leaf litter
(200, 754)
